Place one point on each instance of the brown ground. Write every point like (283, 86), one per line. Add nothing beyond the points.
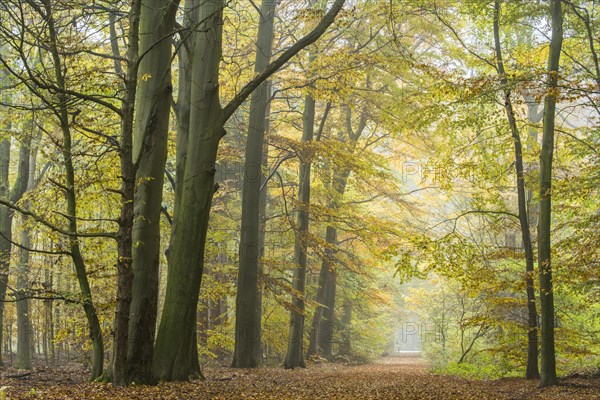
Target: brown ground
(391, 378)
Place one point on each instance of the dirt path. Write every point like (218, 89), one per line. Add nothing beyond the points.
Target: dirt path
(392, 378)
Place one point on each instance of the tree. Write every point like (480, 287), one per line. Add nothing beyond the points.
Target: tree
(295, 352)
(248, 305)
(152, 109)
(547, 350)
(175, 347)
(532, 336)
(18, 190)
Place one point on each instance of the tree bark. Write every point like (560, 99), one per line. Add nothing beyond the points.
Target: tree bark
(532, 371)
(295, 351)
(120, 368)
(175, 339)
(24, 343)
(248, 315)
(13, 194)
(174, 344)
(152, 109)
(547, 350)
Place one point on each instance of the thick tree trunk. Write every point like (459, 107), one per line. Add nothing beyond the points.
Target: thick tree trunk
(174, 358)
(295, 352)
(152, 108)
(548, 359)
(175, 349)
(532, 371)
(248, 316)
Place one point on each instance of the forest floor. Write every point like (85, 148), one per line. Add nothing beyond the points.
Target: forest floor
(390, 378)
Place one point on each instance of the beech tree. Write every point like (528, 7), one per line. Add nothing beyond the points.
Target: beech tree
(247, 352)
(532, 371)
(547, 351)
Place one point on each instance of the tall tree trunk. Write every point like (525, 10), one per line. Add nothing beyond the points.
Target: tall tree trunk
(120, 368)
(48, 305)
(24, 343)
(322, 327)
(5, 218)
(346, 339)
(262, 234)
(71, 199)
(295, 351)
(326, 327)
(548, 362)
(24, 328)
(13, 194)
(174, 351)
(248, 316)
(152, 108)
(175, 339)
(532, 371)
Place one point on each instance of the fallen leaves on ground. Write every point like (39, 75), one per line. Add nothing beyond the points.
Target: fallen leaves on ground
(392, 378)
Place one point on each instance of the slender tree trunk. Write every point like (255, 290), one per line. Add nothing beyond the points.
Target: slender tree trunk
(262, 234)
(152, 109)
(120, 370)
(346, 340)
(295, 352)
(5, 233)
(532, 371)
(13, 194)
(247, 325)
(24, 328)
(315, 326)
(48, 305)
(326, 327)
(23, 321)
(548, 362)
(5, 216)
(71, 198)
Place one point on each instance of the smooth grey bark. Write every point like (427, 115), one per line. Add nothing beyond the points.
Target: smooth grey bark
(152, 109)
(532, 371)
(184, 94)
(248, 316)
(547, 349)
(175, 349)
(295, 350)
(27, 159)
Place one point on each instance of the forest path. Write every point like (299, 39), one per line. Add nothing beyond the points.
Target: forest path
(389, 378)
